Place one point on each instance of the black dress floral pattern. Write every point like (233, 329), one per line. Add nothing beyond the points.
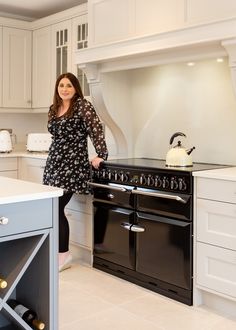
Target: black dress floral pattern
(67, 164)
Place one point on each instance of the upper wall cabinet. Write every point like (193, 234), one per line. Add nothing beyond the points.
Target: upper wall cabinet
(200, 11)
(110, 20)
(16, 75)
(42, 68)
(61, 48)
(67, 37)
(0, 67)
(113, 20)
(116, 20)
(80, 41)
(53, 54)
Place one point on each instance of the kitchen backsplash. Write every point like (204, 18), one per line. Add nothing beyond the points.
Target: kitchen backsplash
(153, 103)
(22, 124)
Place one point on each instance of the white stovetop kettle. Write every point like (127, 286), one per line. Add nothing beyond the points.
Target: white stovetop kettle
(178, 156)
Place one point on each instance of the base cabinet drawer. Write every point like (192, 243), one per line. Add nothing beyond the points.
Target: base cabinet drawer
(23, 216)
(216, 223)
(216, 269)
(218, 190)
(9, 174)
(8, 164)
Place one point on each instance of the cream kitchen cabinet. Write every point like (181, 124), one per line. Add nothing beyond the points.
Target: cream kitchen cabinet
(31, 169)
(16, 68)
(67, 37)
(215, 237)
(0, 67)
(8, 167)
(53, 53)
(79, 214)
(42, 87)
(116, 20)
(80, 41)
(61, 48)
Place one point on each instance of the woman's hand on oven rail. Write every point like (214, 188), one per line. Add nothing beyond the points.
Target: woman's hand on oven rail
(96, 162)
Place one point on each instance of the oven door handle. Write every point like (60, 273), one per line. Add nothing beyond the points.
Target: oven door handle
(126, 225)
(131, 227)
(100, 185)
(137, 229)
(167, 196)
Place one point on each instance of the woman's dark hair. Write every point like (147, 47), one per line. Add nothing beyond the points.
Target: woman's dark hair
(57, 101)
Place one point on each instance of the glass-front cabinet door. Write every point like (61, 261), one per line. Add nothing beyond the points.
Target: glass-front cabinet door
(80, 41)
(61, 43)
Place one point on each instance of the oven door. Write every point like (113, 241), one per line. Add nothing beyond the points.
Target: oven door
(113, 239)
(164, 249)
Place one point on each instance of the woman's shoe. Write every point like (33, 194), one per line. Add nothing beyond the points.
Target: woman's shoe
(66, 264)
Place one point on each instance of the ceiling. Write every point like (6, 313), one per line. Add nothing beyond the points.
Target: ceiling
(35, 9)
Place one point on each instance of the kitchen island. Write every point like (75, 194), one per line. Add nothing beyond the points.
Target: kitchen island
(28, 248)
(215, 239)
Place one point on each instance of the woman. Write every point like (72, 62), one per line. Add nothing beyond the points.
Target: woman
(71, 119)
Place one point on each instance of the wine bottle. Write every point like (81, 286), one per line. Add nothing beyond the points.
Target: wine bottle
(3, 283)
(28, 315)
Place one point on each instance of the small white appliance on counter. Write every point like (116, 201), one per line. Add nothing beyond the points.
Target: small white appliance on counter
(39, 142)
(5, 141)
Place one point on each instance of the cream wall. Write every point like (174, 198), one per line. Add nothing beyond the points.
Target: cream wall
(198, 101)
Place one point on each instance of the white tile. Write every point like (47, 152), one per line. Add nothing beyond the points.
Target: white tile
(90, 299)
(75, 304)
(115, 319)
(112, 289)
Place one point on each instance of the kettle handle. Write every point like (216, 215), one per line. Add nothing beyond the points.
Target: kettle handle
(175, 135)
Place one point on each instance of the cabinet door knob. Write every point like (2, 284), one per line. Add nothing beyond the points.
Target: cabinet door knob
(3, 221)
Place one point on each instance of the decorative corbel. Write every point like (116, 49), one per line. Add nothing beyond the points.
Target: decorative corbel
(93, 77)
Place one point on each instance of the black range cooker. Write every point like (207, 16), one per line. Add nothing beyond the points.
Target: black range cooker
(143, 224)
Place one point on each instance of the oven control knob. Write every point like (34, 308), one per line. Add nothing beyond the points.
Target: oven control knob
(173, 184)
(115, 176)
(109, 175)
(126, 177)
(157, 181)
(150, 180)
(122, 176)
(142, 179)
(165, 182)
(103, 174)
(182, 184)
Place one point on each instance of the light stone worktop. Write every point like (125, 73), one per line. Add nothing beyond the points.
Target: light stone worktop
(13, 190)
(39, 155)
(228, 173)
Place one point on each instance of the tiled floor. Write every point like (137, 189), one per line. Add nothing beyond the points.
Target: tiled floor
(93, 300)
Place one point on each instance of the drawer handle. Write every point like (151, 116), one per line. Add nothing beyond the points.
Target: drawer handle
(4, 221)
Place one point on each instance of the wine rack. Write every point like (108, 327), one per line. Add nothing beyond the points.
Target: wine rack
(28, 262)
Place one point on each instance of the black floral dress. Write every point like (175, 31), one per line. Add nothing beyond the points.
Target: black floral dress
(67, 165)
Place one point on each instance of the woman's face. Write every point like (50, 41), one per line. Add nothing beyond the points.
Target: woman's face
(65, 89)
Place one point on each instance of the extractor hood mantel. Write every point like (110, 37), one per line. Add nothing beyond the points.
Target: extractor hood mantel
(191, 43)
(187, 44)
